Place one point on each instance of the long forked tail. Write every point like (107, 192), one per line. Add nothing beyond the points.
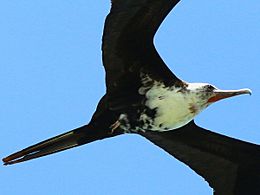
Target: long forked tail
(230, 166)
(74, 138)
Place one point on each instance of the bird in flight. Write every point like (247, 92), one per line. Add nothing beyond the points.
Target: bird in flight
(144, 97)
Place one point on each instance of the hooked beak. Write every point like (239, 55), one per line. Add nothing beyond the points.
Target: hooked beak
(222, 94)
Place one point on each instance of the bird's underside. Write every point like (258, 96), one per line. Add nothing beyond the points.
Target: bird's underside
(144, 97)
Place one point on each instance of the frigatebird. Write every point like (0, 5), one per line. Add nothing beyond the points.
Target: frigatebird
(144, 97)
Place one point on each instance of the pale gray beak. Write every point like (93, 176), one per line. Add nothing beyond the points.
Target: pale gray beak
(222, 94)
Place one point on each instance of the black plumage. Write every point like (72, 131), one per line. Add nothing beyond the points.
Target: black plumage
(230, 166)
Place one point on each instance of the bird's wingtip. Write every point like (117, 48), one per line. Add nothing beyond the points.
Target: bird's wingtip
(5, 161)
(9, 160)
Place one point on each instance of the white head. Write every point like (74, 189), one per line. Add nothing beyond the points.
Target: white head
(207, 94)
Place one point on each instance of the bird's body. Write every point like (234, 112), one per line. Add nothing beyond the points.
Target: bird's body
(174, 107)
(144, 97)
(164, 108)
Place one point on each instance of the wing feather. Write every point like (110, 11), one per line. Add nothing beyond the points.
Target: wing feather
(128, 45)
(230, 166)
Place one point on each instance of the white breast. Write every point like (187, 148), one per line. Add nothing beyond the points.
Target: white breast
(174, 108)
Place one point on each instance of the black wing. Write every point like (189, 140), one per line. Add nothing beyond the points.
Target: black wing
(97, 129)
(128, 45)
(230, 166)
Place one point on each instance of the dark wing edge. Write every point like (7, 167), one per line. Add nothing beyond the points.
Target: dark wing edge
(71, 139)
(97, 129)
(128, 42)
(230, 166)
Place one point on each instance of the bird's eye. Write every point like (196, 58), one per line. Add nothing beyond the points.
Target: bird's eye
(210, 87)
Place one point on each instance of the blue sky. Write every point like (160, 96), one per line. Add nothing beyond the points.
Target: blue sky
(51, 78)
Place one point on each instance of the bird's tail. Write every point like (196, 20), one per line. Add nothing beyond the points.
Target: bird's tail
(74, 138)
